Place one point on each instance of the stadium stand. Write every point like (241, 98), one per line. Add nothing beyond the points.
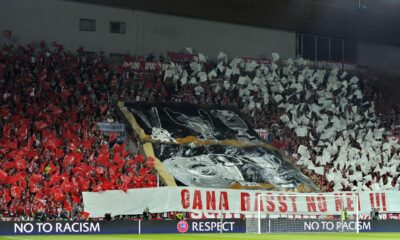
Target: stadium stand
(51, 101)
(291, 99)
(51, 150)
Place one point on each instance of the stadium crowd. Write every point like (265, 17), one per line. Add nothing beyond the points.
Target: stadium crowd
(50, 147)
(51, 100)
(325, 119)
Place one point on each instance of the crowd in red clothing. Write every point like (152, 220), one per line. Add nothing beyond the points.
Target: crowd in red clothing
(50, 148)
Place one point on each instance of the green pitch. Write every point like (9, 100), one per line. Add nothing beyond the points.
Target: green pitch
(327, 236)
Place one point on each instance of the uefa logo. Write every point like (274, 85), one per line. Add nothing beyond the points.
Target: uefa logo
(182, 226)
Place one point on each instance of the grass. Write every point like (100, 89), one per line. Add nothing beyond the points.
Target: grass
(315, 236)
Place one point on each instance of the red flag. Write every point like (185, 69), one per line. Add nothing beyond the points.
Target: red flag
(113, 136)
(35, 178)
(78, 171)
(114, 173)
(39, 196)
(91, 158)
(65, 177)
(73, 146)
(99, 170)
(22, 132)
(118, 148)
(39, 126)
(86, 215)
(57, 194)
(103, 159)
(33, 187)
(67, 206)
(150, 163)
(125, 179)
(124, 188)
(53, 168)
(139, 158)
(12, 180)
(151, 178)
(107, 186)
(76, 199)
(11, 145)
(87, 144)
(68, 160)
(104, 156)
(3, 176)
(78, 157)
(57, 111)
(124, 153)
(52, 142)
(88, 170)
(46, 191)
(118, 160)
(143, 171)
(15, 154)
(21, 180)
(7, 166)
(138, 182)
(97, 188)
(55, 179)
(16, 118)
(67, 187)
(16, 192)
(59, 152)
(31, 141)
(150, 159)
(7, 130)
(6, 195)
(84, 184)
(20, 164)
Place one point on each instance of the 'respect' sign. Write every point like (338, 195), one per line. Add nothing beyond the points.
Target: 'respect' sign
(207, 226)
(194, 226)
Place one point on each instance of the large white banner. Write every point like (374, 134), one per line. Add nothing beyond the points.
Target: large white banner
(191, 199)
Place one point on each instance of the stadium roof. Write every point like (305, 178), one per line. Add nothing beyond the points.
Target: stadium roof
(365, 20)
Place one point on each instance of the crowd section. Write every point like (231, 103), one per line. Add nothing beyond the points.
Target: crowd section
(50, 147)
(51, 100)
(324, 119)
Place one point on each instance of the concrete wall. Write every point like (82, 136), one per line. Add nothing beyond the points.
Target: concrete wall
(379, 57)
(56, 20)
(169, 32)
